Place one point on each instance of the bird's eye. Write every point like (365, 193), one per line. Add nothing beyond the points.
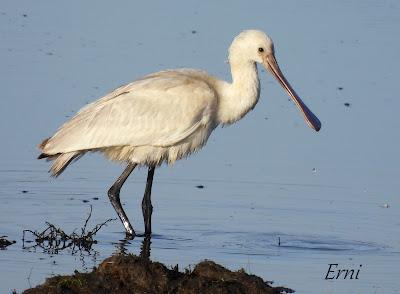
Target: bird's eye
(261, 49)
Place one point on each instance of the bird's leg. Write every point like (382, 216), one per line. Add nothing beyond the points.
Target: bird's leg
(113, 194)
(147, 208)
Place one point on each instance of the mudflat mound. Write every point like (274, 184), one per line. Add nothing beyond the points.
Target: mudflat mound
(133, 274)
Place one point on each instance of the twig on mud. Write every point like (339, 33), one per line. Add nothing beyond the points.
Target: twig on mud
(29, 277)
(53, 239)
(87, 219)
(4, 242)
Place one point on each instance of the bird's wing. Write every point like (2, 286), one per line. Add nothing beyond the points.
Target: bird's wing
(160, 110)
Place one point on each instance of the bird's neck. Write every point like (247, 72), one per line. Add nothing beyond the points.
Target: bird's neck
(239, 97)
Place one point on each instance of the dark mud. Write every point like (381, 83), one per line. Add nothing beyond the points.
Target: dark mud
(4, 242)
(133, 274)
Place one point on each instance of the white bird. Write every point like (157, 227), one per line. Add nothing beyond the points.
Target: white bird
(166, 116)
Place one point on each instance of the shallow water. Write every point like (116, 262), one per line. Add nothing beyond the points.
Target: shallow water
(267, 178)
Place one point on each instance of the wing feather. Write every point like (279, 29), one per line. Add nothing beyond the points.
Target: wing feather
(160, 110)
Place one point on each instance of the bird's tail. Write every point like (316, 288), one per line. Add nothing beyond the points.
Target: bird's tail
(60, 160)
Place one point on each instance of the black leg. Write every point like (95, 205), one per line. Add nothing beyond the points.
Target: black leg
(113, 194)
(147, 208)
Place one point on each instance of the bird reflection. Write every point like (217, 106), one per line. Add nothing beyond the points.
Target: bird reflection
(122, 247)
(145, 248)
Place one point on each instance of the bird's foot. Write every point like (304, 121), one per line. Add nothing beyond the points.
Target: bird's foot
(130, 235)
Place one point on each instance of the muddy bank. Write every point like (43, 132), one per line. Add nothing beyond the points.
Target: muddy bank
(133, 274)
(4, 242)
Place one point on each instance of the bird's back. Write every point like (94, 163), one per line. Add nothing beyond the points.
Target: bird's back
(161, 110)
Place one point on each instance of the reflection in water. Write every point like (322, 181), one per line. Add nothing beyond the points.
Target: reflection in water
(122, 247)
(53, 239)
(145, 248)
(52, 247)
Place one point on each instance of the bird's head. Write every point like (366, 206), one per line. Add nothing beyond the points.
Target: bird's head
(254, 46)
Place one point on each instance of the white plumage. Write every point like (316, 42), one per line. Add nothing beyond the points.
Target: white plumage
(163, 116)
(167, 115)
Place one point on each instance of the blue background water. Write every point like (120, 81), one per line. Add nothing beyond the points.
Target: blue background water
(267, 177)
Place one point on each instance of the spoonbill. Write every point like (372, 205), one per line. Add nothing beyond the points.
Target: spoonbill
(166, 116)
